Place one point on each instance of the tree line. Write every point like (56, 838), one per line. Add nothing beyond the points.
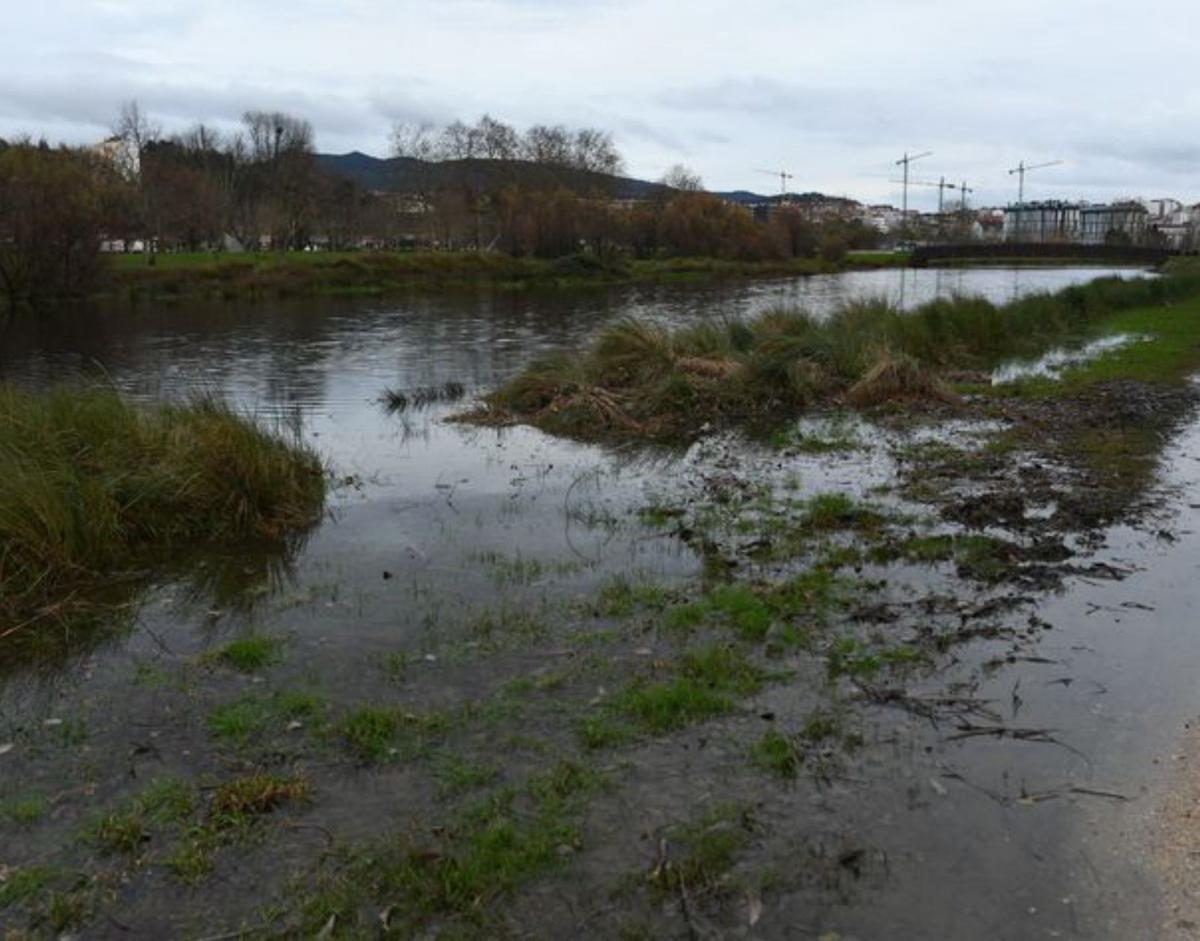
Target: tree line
(545, 191)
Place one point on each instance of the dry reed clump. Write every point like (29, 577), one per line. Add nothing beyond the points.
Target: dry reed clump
(897, 379)
(724, 368)
(258, 794)
(93, 486)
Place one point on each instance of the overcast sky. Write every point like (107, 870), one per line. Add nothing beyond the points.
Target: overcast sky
(833, 91)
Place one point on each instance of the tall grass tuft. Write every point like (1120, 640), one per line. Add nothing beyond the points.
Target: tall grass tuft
(640, 380)
(93, 486)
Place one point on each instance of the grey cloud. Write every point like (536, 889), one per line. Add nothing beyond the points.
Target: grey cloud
(837, 93)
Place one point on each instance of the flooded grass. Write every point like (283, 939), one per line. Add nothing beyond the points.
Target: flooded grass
(705, 850)
(25, 809)
(776, 753)
(708, 683)
(490, 848)
(93, 487)
(249, 654)
(369, 732)
(397, 401)
(638, 380)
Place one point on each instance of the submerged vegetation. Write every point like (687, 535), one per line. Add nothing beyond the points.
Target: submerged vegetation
(639, 380)
(95, 488)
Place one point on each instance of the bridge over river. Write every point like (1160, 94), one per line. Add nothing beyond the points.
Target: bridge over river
(924, 255)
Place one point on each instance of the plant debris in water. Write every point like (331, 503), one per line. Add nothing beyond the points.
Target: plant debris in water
(397, 401)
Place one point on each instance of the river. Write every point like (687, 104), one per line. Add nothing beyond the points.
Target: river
(433, 523)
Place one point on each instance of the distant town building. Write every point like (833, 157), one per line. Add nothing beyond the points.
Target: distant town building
(1172, 224)
(1121, 223)
(881, 217)
(990, 223)
(123, 158)
(1046, 221)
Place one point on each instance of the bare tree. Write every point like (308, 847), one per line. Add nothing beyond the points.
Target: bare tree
(594, 150)
(682, 178)
(415, 141)
(281, 147)
(457, 141)
(547, 145)
(199, 139)
(135, 131)
(271, 134)
(497, 140)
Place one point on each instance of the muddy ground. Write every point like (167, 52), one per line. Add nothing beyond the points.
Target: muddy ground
(901, 677)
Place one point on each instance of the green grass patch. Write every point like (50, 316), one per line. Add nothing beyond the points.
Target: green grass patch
(456, 775)
(832, 512)
(240, 719)
(777, 753)
(707, 849)
(507, 622)
(231, 815)
(120, 832)
(621, 597)
(255, 275)
(781, 612)
(708, 683)
(249, 654)
(369, 732)
(26, 809)
(854, 658)
(251, 715)
(167, 800)
(489, 850)
(23, 884)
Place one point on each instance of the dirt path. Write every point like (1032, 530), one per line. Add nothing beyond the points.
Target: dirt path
(1175, 840)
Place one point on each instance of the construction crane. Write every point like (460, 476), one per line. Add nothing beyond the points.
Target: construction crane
(941, 185)
(905, 161)
(963, 189)
(1020, 169)
(783, 175)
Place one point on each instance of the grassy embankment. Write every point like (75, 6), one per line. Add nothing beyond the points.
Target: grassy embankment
(95, 489)
(275, 274)
(641, 381)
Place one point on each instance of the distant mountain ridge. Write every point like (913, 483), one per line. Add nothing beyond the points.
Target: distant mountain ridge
(407, 174)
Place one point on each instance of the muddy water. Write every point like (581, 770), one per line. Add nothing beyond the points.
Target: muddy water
(434, 524)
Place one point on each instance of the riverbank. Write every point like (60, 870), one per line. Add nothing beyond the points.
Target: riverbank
(265, 275)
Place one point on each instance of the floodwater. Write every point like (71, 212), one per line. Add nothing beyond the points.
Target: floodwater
(435, 523)
(419, 495)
